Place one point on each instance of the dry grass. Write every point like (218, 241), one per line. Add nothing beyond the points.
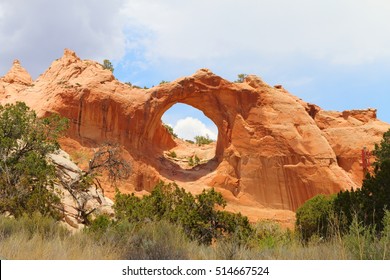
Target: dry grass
(36, 248)
(42, 238)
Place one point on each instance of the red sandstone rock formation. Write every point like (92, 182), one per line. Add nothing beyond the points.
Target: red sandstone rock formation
(16, 80)
(348, 133)
(274, 151)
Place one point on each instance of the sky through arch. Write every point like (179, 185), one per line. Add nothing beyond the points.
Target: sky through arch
(188, 122)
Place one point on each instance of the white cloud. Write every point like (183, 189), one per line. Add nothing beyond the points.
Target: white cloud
(249, 33)
(341, 32)
(190, 127)
(36, 32)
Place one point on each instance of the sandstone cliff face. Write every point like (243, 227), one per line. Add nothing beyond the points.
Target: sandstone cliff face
(274, 151)
(349, 132)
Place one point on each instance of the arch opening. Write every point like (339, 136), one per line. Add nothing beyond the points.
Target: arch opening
(195, 137)
(156, 141)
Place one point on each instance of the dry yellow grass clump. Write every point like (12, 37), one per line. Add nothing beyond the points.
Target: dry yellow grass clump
(41, 238)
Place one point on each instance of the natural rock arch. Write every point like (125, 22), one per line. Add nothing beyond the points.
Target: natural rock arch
(273, 150)
(203, 91)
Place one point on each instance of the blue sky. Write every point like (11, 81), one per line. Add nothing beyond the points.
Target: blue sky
(334, 53)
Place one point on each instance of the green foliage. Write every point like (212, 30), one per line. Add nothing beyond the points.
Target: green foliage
(170, 130)
(385, 236)
(30, 225)
(312, 218)
(39, 237)
(172, 154)
(108, 65)
(193, 160)
(128, 207)
(270, 235)
(196, 160)
(100, 224)
(370, 201)
(382, 151)
(196, 215)
(240, 78)
(366, 206)
(163, 82)
(26, 177)
(203, 140)
(373, 198)
(190, 161)
(366, 242)
(159, 240)
(360, 240)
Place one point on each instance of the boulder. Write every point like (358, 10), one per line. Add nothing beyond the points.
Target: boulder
(74, 201)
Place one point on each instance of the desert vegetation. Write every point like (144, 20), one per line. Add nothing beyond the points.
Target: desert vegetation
(108, 65)
(39, 237)
(26, 176)
(170, 130)
(171, 223)
(203, 140)
(241, 78)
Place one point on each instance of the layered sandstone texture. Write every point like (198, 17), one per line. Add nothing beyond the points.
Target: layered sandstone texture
(274, 151)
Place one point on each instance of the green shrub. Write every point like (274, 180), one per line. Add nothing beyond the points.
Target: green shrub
(100, 224)
(270, 235)
(30, 225)
(203, 140)
(193, 160)
(172, 154)
(241, 78)
(158, 241)
(361, 241)
(385, 236)
(382, 150)
(170, 130)
(108, 65)
(26, 177)
(369, 202)
(313, 217)
(196, 215)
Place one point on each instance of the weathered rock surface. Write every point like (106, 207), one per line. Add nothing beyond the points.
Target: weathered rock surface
(15, 81)
(76, 202)
(348, 133)
(274, 151)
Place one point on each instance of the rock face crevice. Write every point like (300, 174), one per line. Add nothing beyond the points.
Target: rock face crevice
(273, 149)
